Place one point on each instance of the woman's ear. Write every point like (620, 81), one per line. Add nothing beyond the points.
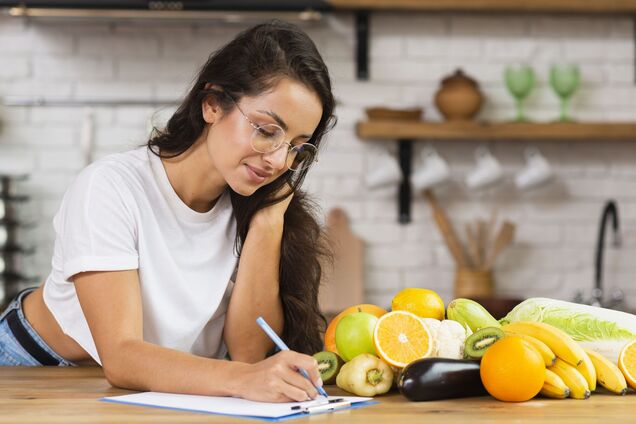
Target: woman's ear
(210, 107)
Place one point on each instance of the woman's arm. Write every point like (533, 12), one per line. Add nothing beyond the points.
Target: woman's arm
(256, 290)
(255, 293)
(111, 302)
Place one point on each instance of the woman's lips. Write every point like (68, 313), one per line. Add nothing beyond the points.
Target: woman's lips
(255, 175)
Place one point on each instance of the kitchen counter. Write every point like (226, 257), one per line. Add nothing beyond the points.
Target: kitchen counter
(70, 395)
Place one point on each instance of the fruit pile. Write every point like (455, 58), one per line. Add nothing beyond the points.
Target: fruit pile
(368, 350)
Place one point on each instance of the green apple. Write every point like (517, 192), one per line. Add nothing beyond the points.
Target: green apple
(354, 335)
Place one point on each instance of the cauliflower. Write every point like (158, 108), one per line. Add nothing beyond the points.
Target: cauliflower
(448, 337)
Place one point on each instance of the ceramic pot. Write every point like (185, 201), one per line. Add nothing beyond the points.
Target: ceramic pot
(458, 98)
(473, 283)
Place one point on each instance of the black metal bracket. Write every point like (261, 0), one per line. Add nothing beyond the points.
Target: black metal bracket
(405, 154)
(362, 45)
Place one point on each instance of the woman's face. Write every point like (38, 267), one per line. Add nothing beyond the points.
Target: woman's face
(290, 105)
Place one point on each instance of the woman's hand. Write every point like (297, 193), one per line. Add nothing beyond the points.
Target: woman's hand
(276, 379)
(273, 215)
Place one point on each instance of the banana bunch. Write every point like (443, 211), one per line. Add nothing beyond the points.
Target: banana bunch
(554, 386)
(546, 353)
(608, 375)
(570, 370)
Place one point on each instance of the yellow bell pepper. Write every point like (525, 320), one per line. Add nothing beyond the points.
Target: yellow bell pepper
(365, 375)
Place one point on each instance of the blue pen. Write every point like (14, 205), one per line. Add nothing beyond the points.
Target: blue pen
(282, 346)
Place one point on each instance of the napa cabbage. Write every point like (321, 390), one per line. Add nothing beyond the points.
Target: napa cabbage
(605, 331)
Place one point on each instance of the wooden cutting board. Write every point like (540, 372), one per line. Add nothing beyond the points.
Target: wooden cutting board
(343, 281)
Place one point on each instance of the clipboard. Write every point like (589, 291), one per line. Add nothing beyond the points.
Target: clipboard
(327, 406)
(241, 408)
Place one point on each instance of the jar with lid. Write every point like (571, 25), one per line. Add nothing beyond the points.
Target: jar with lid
(459, 97)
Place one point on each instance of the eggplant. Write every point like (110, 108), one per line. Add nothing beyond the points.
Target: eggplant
(440, 378)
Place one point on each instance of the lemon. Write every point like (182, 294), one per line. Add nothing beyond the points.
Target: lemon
(424, 303)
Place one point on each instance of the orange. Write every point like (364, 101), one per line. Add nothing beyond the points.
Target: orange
(424, 303)
(627, 363)
(330, 334)
(401, 337)
(512, 370)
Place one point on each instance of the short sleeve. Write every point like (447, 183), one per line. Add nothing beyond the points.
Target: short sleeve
(96, 225)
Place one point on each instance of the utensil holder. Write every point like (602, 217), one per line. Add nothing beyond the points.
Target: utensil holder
(471, 283)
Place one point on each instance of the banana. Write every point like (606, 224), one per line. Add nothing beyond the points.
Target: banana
(558, 341)
(572, 378)
(607, 374)
(554, 387)
(586, 368)
(546, 353)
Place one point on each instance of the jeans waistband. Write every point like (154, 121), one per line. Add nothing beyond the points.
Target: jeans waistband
(26, 341)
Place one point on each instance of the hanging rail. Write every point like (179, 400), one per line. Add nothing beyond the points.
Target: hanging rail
(26, 101)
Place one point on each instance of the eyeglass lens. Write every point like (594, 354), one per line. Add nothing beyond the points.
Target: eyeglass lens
(269, 137)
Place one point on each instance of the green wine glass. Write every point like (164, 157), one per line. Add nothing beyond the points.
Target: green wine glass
(519, 81)
(564, 80)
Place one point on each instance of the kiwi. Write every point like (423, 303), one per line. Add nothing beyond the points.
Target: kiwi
(478, 342)
(329, 364)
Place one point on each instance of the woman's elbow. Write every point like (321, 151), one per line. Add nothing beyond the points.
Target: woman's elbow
(118, 371)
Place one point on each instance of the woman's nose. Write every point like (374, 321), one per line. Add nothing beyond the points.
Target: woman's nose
(278, 158)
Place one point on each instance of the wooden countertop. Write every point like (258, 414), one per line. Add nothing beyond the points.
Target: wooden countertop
(70, 395)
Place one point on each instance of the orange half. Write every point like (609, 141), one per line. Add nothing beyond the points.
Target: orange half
(401, 337)
(627, 363)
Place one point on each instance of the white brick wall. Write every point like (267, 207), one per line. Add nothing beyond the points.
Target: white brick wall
(410, 53)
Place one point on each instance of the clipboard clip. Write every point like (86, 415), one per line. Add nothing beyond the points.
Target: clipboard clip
(331, 406)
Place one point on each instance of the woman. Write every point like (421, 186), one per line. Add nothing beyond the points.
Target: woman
(166, 255)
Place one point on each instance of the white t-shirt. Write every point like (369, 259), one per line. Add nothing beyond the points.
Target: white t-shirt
(121, 213)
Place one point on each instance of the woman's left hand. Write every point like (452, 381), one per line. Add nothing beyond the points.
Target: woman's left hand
(273, 215)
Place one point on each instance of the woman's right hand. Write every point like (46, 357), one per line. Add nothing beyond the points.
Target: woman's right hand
(276, 379)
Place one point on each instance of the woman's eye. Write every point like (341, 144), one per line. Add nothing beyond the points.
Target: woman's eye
(263, 132)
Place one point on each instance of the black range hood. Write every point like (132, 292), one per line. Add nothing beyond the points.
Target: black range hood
(185, 5)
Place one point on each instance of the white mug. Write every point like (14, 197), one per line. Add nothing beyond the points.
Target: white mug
(385, 170)
(433, 170)
(487, 169)
(536, 172)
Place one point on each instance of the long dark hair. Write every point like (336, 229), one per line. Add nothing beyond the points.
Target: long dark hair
(253, 62)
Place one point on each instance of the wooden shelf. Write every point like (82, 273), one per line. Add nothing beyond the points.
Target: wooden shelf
(405, 130)
(535, 6)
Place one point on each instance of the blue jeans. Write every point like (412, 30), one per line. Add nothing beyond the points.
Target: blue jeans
(12, 353)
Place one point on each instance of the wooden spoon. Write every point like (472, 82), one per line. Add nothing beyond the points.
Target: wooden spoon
(504, 237)
(472, 235)
(445, 227)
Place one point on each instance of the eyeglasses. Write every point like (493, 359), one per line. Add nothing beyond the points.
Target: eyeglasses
(268, 138)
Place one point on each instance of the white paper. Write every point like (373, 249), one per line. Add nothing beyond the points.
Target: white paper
(222, 405)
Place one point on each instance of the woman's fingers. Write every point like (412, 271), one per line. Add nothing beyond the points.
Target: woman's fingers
(307, 363)
(300, 388)
(297, 381)
(312, 370)
(279, 379)
(294, 393)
